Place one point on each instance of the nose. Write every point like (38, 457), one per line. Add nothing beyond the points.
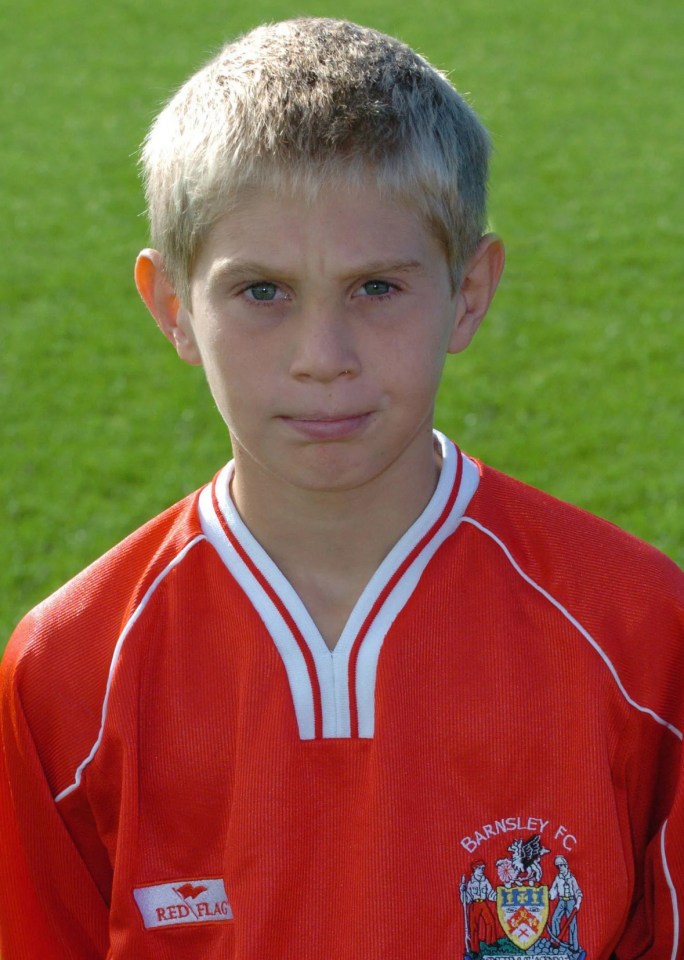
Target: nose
(323, 347)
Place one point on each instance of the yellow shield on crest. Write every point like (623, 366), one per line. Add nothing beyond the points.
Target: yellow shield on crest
(523, 912)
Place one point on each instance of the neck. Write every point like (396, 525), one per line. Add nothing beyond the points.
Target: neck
(334, 524)
(328, 543)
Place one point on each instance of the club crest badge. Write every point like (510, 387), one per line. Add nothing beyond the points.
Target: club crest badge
(531, 909)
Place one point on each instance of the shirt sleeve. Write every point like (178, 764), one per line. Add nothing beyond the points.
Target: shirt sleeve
(50, 905)
(654, 929)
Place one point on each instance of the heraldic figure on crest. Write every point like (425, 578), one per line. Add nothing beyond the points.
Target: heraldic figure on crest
(479, 918)
(531, 918)
(566, 891)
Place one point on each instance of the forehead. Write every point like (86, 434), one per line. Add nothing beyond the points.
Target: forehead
(345, 225)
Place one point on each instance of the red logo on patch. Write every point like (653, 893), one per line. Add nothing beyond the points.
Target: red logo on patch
(188, 891)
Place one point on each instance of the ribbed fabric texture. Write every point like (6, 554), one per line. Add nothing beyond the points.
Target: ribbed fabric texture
(530, 686)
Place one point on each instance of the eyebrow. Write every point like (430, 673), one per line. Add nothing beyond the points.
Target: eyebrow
(236, 270)
(382, 266)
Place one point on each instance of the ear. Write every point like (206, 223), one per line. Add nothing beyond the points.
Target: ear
(480, 279)
(173, 319)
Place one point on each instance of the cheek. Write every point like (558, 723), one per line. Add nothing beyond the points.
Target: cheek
(243, 391)
(418, 357)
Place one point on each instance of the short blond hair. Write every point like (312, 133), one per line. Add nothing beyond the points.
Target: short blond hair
(301, 103)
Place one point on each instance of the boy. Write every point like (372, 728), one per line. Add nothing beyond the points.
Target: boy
(292, 715)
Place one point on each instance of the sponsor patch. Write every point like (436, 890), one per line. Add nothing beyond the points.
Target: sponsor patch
(183, 901)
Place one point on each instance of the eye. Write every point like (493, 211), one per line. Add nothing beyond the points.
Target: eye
(264, 292)
(376, 288)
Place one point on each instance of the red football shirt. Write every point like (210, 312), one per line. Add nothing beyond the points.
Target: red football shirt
(489, 762)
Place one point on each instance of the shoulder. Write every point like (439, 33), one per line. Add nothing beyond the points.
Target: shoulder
(106, 588)
(562, 544)
(58, 659)
(621, 595)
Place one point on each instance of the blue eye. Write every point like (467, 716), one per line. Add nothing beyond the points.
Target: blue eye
(263, 291)
(377, 288)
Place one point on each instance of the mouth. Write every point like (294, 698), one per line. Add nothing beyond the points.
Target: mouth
(329, 428)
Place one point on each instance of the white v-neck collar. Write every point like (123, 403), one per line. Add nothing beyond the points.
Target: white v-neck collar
(333, 692)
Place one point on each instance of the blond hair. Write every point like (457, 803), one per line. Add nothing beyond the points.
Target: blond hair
(301, 103)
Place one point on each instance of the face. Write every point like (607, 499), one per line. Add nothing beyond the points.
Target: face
(323, 329)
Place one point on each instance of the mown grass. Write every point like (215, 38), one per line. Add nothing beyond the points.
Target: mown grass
(574, 383)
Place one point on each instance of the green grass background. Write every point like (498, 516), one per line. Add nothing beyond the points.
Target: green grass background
(574, 384)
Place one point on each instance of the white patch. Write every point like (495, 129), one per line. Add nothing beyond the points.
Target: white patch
(183, 901)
